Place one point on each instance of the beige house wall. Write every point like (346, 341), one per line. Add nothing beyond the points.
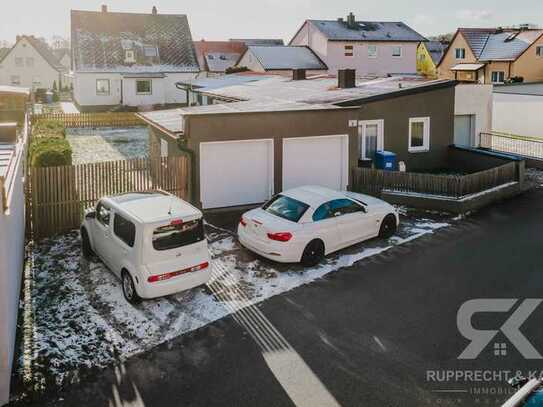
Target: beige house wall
(498, 66)
(529, 65)
(449, 60)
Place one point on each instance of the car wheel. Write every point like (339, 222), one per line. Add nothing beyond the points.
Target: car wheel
(313, 253)
(86, 248)
(129, 290)
(388, 227)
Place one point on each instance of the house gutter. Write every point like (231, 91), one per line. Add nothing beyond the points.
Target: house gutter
(182, 145)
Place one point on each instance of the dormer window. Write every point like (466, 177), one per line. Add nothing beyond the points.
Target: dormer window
(150, 52)
(129, 56)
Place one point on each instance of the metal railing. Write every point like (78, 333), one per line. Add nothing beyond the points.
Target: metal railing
(511, 144)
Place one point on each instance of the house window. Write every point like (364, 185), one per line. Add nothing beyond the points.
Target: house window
(15, 80)
(419, 134)
(372, 51)
(150, 52)
(144, 87)
(498, 76)
(30, 62)
(371, 134)
(349, 50)
(539, 51)
(397, 52)
(102, 87)
(19, 62)
(129, 56)
(460, 53)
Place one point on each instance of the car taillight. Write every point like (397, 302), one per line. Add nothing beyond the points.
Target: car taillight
(167, 276)
(280, 237)
(242, 222)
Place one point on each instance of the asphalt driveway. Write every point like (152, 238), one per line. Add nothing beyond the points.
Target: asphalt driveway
(364, 335)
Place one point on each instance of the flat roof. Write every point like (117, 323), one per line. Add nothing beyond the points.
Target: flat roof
(530, 89)
(15, 89)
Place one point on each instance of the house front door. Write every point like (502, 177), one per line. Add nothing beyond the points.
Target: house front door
(371, 135)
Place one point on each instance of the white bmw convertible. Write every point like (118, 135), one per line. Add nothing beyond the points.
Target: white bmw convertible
(307, 223)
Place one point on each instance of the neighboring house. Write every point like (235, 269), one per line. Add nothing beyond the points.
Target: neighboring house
(428, 56)
(12, 245)
(265, 42)
(518, 109)
(372, 48)
(483, 55)
(283, 133)
(130, 60)
(32, 64)
(280, 59)
(217, 56)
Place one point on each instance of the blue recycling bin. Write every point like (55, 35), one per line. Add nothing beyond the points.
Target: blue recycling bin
(385, 160)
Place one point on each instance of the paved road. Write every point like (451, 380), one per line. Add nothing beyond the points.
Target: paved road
(363, 336)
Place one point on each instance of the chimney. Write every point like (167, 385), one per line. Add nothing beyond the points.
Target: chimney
(155, 11)
(298, 75)
(104, 8)
(351, 20)
(346, 78)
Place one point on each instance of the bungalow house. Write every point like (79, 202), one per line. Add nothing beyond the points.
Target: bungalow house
(371, 48)
(30, 63)
(494, 56)
(260, 137)
(215, 57)
(129, 60)
(280, 59)
(428, 56)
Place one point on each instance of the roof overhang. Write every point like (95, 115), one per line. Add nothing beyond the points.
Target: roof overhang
(143, 75)
(468, 67)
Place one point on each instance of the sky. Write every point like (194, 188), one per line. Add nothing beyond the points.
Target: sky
(224, 19)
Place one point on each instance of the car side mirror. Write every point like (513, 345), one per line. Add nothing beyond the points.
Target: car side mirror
(90, 215)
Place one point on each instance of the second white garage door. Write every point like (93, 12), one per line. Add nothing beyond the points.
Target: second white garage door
(320, 161)
(236, 173)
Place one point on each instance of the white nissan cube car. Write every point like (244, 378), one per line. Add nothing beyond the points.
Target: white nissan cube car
(154, 242)
(305, 224)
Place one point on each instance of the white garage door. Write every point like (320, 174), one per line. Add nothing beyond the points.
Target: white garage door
(236, 173)
(320, 161)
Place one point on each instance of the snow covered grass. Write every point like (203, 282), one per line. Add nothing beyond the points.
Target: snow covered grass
(107, 144)
(75, 317)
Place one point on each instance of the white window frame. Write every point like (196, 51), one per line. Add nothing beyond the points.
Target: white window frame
(426, 136)
(397, 47)
(108, 93)
(349, 50)
(463, 53)
(497, 76)
(362, 134)
(150, 50)
(373, 54)
(539, 51)
(129, 56)
(150, 86)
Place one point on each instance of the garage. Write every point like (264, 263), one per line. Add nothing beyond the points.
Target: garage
(236, 173)
(322, 160)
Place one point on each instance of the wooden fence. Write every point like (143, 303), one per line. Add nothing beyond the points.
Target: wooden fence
(58, 196)
(373, 182)
(110, 119)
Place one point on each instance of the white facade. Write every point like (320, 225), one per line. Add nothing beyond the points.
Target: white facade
(368, 58)
(12, 243)
(474, 101)
(518, 114)
(123, 90)
(24, 66)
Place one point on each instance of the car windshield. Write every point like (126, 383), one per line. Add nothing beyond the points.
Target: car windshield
(286, 208)
(178, 235)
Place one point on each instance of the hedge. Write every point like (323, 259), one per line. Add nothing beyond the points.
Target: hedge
(50, 152)
(49, 128)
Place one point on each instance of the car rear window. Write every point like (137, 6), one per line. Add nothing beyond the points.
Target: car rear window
(178, 235)
(286, 208)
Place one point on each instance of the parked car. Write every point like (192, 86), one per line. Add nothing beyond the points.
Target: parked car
(305, 224)
(529, 394)
(154, 242)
